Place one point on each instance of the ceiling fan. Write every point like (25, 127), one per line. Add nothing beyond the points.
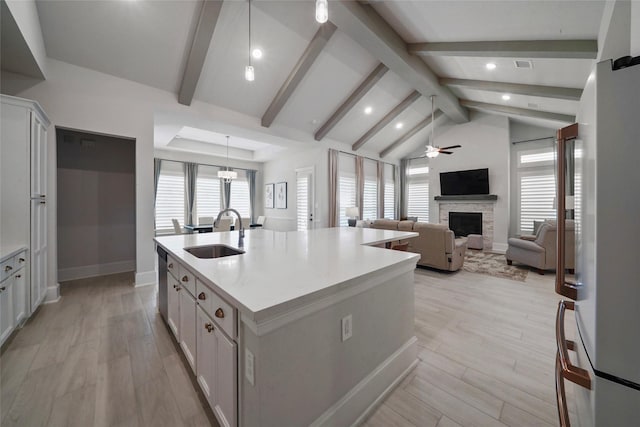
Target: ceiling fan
(433, 150)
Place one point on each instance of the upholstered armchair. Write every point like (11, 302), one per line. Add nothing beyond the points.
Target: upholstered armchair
(539, 251)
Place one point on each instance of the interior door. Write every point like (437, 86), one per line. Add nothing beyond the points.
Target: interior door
(38, 263)
(304, 198)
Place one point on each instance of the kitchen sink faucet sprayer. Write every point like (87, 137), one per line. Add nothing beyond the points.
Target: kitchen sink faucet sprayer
(241, 238)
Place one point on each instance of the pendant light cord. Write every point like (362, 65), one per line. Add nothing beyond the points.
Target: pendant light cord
(249, 32)
(433, 124)
(227, 152)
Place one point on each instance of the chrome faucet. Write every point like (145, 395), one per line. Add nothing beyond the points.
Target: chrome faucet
(241, 238)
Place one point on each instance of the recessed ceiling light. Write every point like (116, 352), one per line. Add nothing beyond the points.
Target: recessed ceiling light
(491, 66)
(256, 53)
(399, 125)
(368, 110)
(506, 97)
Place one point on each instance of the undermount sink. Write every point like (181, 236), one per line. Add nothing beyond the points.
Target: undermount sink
(213, 251)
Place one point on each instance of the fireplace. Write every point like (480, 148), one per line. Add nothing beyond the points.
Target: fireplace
(465, 223)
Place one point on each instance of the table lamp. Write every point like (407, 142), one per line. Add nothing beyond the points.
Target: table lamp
(352, 214)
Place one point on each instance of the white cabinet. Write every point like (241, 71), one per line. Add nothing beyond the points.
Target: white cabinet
(202, 326)
(6, 309)
(188, 326)
(217, 369)
(173, 297)
(23, 185)
(13, 292)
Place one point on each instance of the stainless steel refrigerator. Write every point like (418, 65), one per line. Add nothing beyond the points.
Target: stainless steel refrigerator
(604, 359)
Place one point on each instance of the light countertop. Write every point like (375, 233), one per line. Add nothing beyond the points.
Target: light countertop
(288, 268)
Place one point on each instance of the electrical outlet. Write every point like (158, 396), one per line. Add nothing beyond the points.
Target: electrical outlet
(347, 327)
(248, 366)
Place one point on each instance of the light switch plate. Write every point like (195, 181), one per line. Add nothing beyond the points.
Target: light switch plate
(248, 366)
(347, 327)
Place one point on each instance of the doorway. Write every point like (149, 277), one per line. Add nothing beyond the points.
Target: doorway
(304, 198)
(96, 200)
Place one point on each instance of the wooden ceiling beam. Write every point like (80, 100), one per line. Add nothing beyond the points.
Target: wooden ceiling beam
(367, 28)
(311, 53)
(397, 110)
(554, 49)
(355, 96)
(514, 111)
(199, 47)
(567, 93)
(404, 138)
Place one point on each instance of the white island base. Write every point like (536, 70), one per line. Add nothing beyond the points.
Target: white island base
(293, 366)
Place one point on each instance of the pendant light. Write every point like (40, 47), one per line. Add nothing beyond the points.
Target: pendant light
(322, 11)
(249, 74)
(432, 151)
(227, 175)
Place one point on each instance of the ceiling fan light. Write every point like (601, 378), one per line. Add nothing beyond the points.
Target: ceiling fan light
(432, 154)
(249, 74)
(322, 11)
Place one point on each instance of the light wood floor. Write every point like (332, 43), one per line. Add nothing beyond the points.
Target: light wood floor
(102, 356)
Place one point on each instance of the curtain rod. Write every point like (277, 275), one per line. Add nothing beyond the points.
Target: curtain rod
(203, 164)
(364, 157)
(531, 140)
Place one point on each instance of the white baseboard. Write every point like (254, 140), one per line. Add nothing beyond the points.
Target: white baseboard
(85, 271)
(356, 406)
(500, 248)
(145, 278)
(53, 294)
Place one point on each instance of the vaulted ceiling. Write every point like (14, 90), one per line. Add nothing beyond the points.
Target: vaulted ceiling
(380, 53)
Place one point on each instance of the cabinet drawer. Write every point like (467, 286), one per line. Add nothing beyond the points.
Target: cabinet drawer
(188, 280)
(218, 309)
(172, 266)
(6, 268)
(19, 261)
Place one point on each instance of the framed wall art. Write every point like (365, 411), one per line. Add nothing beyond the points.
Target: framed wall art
(281, 195)
(268, 196)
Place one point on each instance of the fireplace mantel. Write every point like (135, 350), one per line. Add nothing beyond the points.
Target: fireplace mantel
(467, 198)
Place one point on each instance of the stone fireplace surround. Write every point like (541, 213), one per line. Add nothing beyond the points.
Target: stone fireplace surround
(483, 206)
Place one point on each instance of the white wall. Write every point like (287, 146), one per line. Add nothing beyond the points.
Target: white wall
(635, 28)
(96, 206)
(485, 144)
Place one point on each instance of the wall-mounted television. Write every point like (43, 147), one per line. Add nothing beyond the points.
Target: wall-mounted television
(459, 183)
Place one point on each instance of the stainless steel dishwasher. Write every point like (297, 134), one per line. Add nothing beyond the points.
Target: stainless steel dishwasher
(163, 304)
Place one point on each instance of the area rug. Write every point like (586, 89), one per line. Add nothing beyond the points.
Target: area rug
(493, 265)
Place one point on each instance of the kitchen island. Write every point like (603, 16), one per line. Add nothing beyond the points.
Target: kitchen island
(302, 328)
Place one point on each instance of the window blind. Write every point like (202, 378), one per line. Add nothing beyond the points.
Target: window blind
(536, 186)
(370, 195)
(302, 202)
(389, 192)
(170, 198)
(208, 199)
(418, 192)
(346, 186)
(240, 196)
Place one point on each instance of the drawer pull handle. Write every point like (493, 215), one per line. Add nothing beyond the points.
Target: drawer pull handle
(8, 268)
(202, 296)
(185, 279)
(18, 276)
(170, 265)
(575, 374)
(208, 327)
(178, 288)
(20, 259)
(219, 313)
(4, 288)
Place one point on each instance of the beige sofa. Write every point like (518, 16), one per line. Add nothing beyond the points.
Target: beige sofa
(539, 251)
(436, 244)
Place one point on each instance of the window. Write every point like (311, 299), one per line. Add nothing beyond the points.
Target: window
(346, 186)
(536, 186)
(418, 192)
(302, 200)
(389, 192)
(170, 199)
(240, 195)
(208, 200)
(370, 195)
